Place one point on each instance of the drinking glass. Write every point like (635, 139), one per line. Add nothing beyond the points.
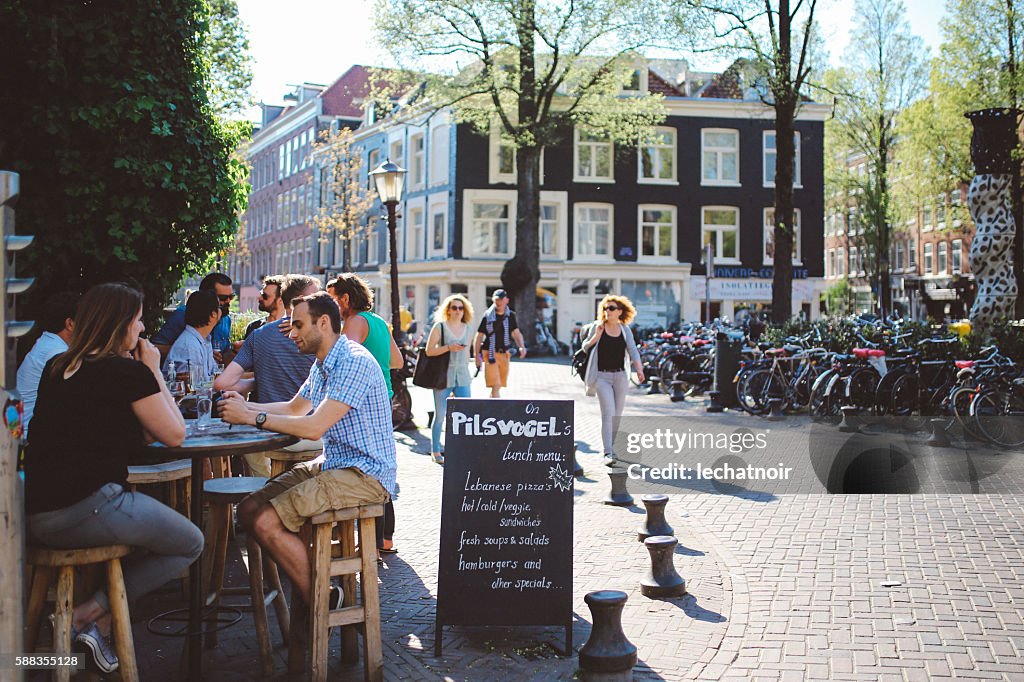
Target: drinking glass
(177, 389)
(204, 409)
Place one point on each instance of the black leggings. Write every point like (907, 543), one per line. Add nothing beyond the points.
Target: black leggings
(386, 528)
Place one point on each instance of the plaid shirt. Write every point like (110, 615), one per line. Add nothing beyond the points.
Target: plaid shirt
(363, 438)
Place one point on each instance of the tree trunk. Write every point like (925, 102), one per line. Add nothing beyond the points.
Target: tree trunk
(785, 114)
(522, 273)
(882, 219)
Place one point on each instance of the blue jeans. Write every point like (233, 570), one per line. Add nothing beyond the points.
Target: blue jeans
(440, 407)
(166, 542)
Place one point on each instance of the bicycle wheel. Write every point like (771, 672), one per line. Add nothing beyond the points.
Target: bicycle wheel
(960, 399)
(822, 405)
(999, 417)
(750, 388)
(905, 402)
(860, 388)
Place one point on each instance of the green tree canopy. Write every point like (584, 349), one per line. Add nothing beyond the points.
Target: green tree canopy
(127, 173)
(535, 69)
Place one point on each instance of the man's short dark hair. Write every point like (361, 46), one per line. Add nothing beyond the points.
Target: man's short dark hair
(199, 307)
(276, 280)
(213, 279)
(360, 296)
(295, 286)
(57, 309)
(320, 304)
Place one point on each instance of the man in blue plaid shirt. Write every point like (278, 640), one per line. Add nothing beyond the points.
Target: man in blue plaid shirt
(351, 412)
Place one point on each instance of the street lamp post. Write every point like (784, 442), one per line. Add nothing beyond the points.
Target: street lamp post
(389, 179)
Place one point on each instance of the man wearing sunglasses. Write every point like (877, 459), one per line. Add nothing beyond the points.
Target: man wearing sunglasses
(270, 302)
(220, 284)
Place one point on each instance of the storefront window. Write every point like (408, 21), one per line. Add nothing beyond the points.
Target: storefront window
(656, 303)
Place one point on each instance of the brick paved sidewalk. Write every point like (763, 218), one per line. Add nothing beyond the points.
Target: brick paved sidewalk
(782, 586)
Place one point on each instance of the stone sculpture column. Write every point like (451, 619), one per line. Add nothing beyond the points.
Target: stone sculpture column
(991, 256)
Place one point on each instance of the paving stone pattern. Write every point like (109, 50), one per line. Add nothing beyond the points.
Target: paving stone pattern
(782, 585)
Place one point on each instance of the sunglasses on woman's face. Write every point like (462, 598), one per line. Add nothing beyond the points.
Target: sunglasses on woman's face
(456, 307)
(610, 308)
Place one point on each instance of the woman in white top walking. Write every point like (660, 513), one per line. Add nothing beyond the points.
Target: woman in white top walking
(607, 373)
(451, 333)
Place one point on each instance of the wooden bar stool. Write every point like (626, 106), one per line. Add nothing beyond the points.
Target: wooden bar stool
(44, 561)
(283, 460)
(315, 622)
(175, 476)
(222, 494)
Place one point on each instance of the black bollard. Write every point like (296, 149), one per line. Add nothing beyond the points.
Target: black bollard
(776, 413)
(715, 405)
(938, 439)
(618, 496)
(654, 523)
(607, 655)
(849, 422)
(676, 394)
(655, 382)
(662, 580)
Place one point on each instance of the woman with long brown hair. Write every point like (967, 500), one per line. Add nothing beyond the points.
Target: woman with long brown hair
(451, 334)
(98, 405)
(612, 348)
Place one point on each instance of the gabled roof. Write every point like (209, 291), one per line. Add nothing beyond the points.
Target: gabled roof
(659, 86)
(344, 97)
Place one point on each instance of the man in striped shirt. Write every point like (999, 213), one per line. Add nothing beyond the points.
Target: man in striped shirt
(351, 412)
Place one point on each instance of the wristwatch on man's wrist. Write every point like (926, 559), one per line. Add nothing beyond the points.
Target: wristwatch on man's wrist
(261, 419)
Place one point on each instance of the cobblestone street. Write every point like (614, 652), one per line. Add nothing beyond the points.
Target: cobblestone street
(782, 586)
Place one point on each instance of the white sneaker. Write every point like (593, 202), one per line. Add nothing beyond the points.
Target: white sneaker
(99, 647)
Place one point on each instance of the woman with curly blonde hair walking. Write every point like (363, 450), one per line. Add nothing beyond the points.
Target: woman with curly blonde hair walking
(611, 347)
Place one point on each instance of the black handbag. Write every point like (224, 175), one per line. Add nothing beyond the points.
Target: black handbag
(432, 372)
(580, 359)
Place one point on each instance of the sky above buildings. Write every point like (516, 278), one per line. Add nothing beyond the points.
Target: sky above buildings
(316, 40)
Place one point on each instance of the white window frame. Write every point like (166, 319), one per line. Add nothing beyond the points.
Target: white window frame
(415, 233)
(658, 150)
(927, 217)
(576, 241)
(769, 180)
(830, 265)
(561, 201)
(719, 152)
(494, 146)
(438, 207)
(898, 262)
(642, 82)
(840, 261)
(719, 229)
(440, 144)
(673, 226)
(797, 227)
(956, 264)
(417, 161)
(595, 146)
(912, 255)
(928, 258)
(854, 261)
(471, 197)
(372, 244)
(942, 258)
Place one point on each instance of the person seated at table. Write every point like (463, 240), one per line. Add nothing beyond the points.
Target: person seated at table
(194, 348)
(360, 324)
(58, 321)
(271, 301)
(99, 403)
(279, 367)
(345, 401)
(220, 284)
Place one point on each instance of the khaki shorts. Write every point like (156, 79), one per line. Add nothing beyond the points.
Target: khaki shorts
(496, 373)
(305, 491)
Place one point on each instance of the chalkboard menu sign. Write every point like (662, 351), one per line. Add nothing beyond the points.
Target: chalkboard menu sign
(506, 515)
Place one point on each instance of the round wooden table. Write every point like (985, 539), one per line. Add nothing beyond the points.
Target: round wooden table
(218, 440)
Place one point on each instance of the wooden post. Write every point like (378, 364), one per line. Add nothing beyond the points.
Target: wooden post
(12, 535)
